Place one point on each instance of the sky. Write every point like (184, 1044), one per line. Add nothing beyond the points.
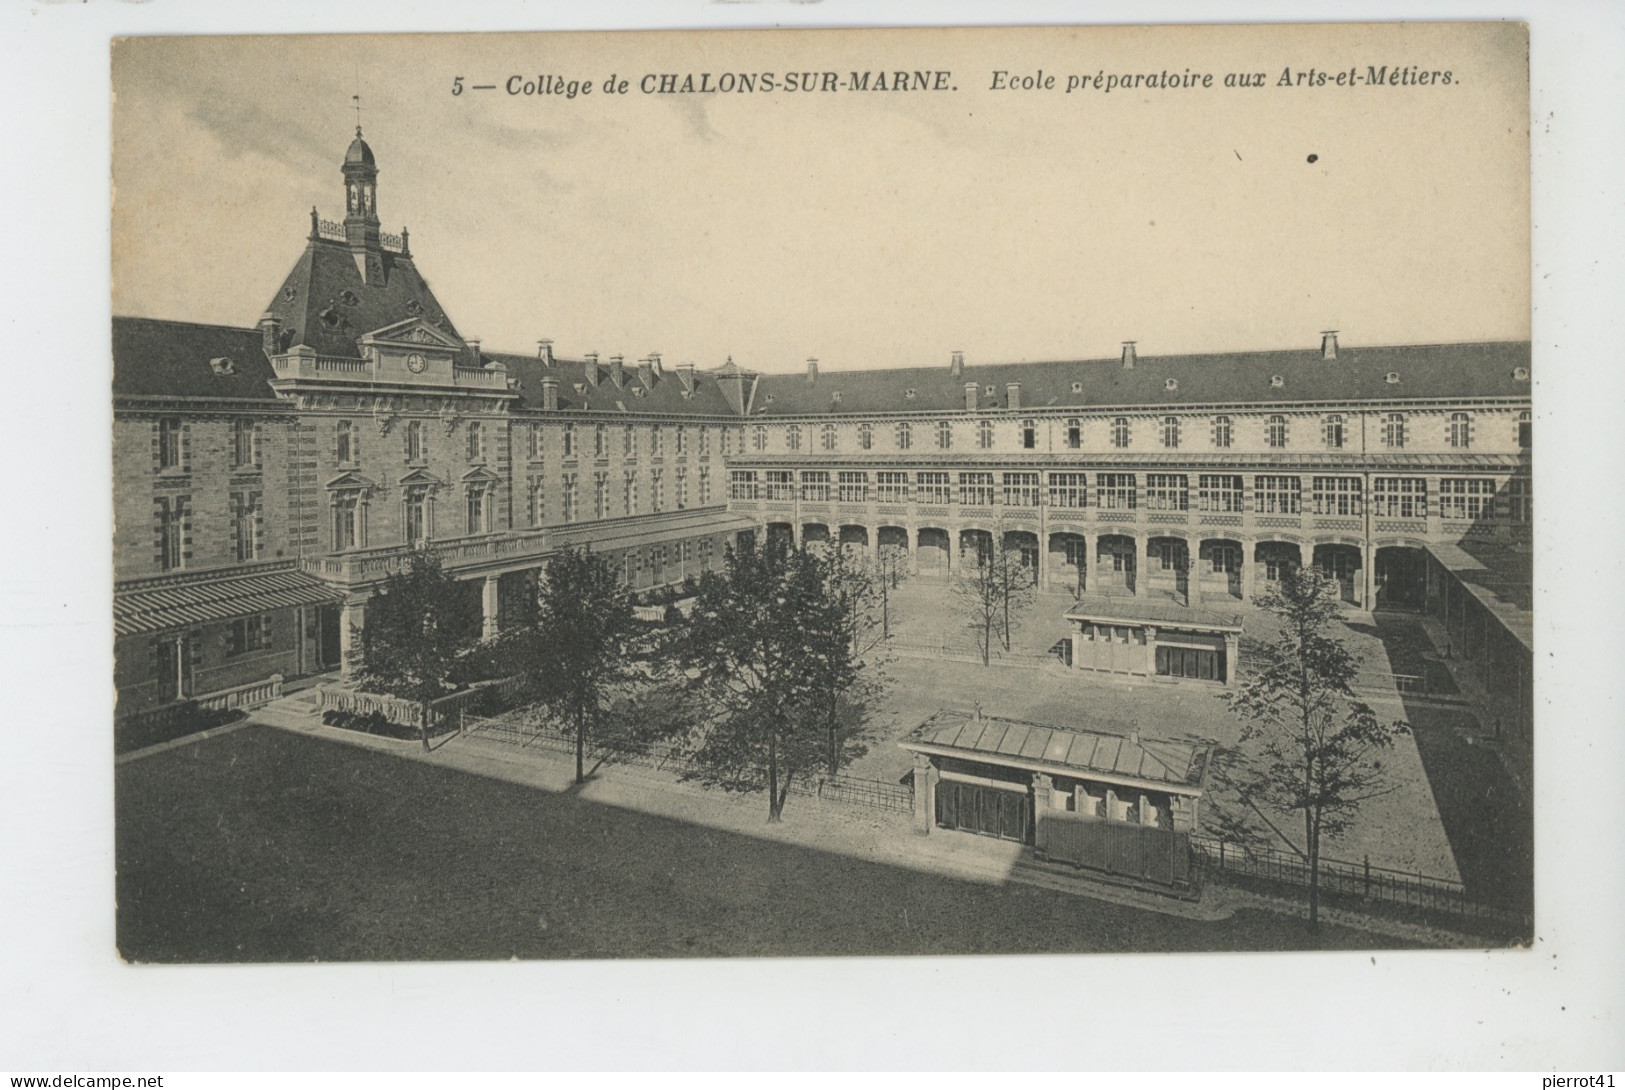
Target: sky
(865, 229)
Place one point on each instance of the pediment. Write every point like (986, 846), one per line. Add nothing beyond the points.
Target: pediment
(479, 475)
(350, 480)
(414, 331)
(421, 478)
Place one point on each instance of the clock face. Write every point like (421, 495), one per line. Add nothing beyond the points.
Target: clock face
(415, 363)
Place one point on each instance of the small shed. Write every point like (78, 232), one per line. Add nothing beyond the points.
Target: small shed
(1154, 638)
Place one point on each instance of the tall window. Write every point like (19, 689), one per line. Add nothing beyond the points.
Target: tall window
(1331, 430)
(571, 497)
(1224, 558)
(1520, 500)
(535, 446)
(1029, 435)
(931, 487)
(1393, 431)
(247, 520)
(1339, 496)
(1399, 497)
(1524, 429)
(705, 485)
(679, 489)
(1021, 489)
(758, 438)
(1219, 493)
(705, 441)
(1115, 491)
(792, 437)
(905, 435)
(682, 439)
(657, 491)
(414, 441)
(415, 520)
(476, 442)
(1461, 430)
(854, 486)
(245, 444)
(727, 442)
(984, 434)
(1278, 495)
(629, 442)
(170, 430)
(1170, 432)
(600, 440)
(1169, 553)
(1120, 432)
(344, 443)
(657, 441)
(1068, 489)
(815, 486)
(1275, 431)
(569, 441)
(600, 495)
(629, 493)
(976, 489)
(248, 634)
(478, 508)
(1167, 492)
(536, 497)
(866, 436)
(346, 521)
(1074, 433)
(174, 528)
(1465, 497)
(780, 484)
(1222, 429)
(742, 484)
(827, 437)
(945, 435)
(891, 487)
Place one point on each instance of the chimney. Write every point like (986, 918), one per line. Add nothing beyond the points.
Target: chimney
(474, 351)
(970, 397)
(654, 358)
(550, 393)
(544, 352)
(956, 364)
(270, 334)
(1012, 394)
(1128, 355)
(685, 375)
(812, 370)
(617, 371)
(592, 368)
(646, 372)
(1328, 344)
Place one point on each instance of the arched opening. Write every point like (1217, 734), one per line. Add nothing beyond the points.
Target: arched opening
(1342, 563)
(1401, 577)
(1274, 558)
(814, 532)
(1068, 562)
(1219, 567)
(1025, 544)
(1168, 562)
(854, 540)
(975, 548)
(931, 555)
(1114, 564)
(781, 534)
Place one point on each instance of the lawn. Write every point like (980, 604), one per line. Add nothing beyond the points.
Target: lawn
(263, 845)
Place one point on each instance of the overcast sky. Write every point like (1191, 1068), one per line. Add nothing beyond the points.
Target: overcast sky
(867, 229)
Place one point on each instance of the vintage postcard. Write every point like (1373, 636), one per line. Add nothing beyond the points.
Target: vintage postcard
(822, 492)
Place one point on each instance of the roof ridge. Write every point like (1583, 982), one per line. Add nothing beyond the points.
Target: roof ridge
(183, 322)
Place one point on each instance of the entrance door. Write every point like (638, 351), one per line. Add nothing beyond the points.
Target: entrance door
(327, 638)
(986, 811)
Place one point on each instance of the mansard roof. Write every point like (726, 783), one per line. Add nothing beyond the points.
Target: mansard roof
(326, 302)
(663, 394)
(1424, 372)
(156, 358)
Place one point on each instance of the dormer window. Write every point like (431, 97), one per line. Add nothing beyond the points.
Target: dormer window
(223, 365)
(910, 393)
(1391, 378)
(1520, 374)
(1170, 385)
(992, 390)
(1077, 387)
(349, 298)
(1277, 381)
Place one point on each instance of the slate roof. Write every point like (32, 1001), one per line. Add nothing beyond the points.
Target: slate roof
(155, 358)
(1357, 374)
(663, 395)
(1087, 754)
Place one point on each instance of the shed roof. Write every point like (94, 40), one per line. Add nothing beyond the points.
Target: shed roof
(1124, 609)
(1501, 578)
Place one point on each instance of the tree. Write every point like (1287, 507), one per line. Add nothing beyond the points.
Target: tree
(582, 646)
(418, 626)
(1309, 746)
(765, 646)
(848, 679)
(991, 592)
(891, 568)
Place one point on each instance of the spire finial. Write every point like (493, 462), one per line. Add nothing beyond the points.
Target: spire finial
(356, 99)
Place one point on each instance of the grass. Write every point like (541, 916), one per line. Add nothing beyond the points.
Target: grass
(263, 846)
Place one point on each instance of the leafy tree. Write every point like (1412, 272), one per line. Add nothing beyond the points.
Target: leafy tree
(582, 646)
(992, 591)
(891, 569)
(418, 626)
(848, 678)
(1308, 745)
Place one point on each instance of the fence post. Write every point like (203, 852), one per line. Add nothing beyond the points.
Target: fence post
(1367, 894)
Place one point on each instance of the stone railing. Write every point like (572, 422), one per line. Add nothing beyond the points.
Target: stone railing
(369, 565)
(408, 713)
(255, 694)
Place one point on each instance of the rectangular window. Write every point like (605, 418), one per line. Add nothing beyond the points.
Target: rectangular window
(1116, 491)
(891, 487)
(1029, 435)
(1337, 496)
(680, 490)
(1520, 500)
(741, 483)
(815, 486)
(476, 509)
(1399, 497)
(414, 522)
(174, 528)
(779, 484)
(629, 442)
(170, 431)
(629, 494)
(657, 492)
(932, 487)
(346, 522)
(248, 634)
(1167, 492)
(1278, 495)
(1074, 433)
(1465, 497)
(246, 522)
(854, 486)
(705, 484)
(1068, 489)
(657, 442)
(537, 500)
(600, 495)
(682, 439)
(1218, 493)
(570, 497)
(976, 489)
(727, 437)
(535, 446)
(245, 444)
(1021, 489)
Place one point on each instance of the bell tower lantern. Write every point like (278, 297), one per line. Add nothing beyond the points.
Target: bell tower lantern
(361, 208)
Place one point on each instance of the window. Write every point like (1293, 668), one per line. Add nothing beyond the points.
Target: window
(1461, 431)
(826, 437)
(414, 441)
(1465, 497)
(536, 499)
(741, 484)
(600, 495)
(1520, 500)
(247, 634)
(815, 486)
(976, 489)
(1218, 493)
(245, 444)
(1399, 497)
(682, 439)
(1074, 433)
(1224, 559)
(705, 486)
(854, 486)
(476, 441)
(779, 484)
(707, 547)
(866, 436)
(1068, 489)
(727, 443)
(1331, 430)
(570, 497)
(1120, 432)
(174, 532)
(1169, 554)
(1167, 492)
(1021, 489)
(1275, 431)
(891, 487)
(945, 435)
(247, 521)
(536, 437)
(792, 437)
(346, 521)
(905, 435)
(932, 487)
(1339, 496)
(657, 491)
(344, 443)
(1222, 429)
(629, 493)
(657, 441)
(415, 515)
(1393, 431)
(569, 441)
(758, 438)
(1170, 432)
(1115, 491)
(1278, 495)
(1277, 562)
(1524, 428)
(629, 442)
(600, 440)
(478, 507)
(705, 441)
(984, 434)
(170, 435)
(680, 489)
(1029, 435)
(657, 563)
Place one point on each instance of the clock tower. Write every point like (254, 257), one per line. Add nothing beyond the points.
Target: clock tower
(361, 209)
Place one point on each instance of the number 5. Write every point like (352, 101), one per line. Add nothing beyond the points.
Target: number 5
(457, 85)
